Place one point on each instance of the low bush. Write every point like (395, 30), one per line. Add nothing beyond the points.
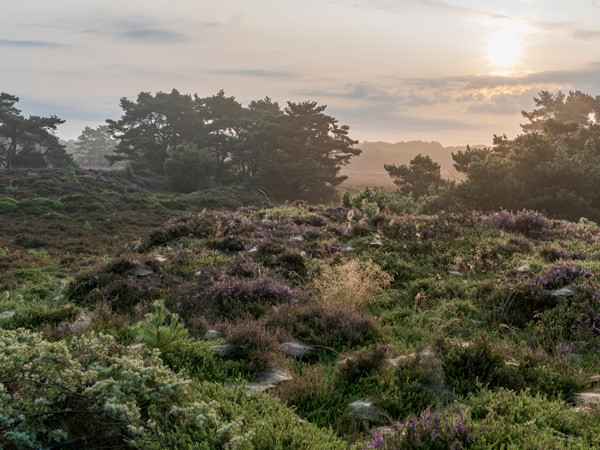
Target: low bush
(332, 326)
(253, 344)
(431, 430)
(509, 419)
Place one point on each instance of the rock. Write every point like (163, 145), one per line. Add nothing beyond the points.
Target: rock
(347, 233)
(139, 271)
(7, 314)
(222, 350)
(295, 349)
(350, 249)
(586, 398)
(161, 259)
(525, 268)
(253, 249)
(455, 272)
(382, 431)
(268, 379)
(363, 409)
(211, 335)
(299, 239)
(565, 292)
(274, 375)
(376, 244)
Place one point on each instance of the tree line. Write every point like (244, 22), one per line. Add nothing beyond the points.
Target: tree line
(295, 151)
(553, 166)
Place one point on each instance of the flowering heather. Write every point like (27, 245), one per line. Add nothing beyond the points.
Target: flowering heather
(250, 291)
(530, 223)
(429, 430)
(562, 275)
(562, 348)
(248, 209)
(312, 234)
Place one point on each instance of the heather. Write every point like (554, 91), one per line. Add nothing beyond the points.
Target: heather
(254, 325)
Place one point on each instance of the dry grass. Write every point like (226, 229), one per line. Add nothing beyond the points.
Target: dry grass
(353, 284)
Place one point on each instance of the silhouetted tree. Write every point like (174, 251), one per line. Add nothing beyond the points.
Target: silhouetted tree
(152, 127)
(419, 177)
(29, 141)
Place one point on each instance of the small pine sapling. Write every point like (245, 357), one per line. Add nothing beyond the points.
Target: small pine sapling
(153, 332)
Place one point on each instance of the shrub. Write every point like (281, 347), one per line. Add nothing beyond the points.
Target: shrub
(468, 368)
(330, 326)
(253, 344)
(236, 297)
(35, 317)
(430, 430)
(100, 393)
(362, 363)
(529, 223)
(509, 419)
(190, 168)
(353, 284)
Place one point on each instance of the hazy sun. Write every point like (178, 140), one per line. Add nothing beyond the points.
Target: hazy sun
(503, 50)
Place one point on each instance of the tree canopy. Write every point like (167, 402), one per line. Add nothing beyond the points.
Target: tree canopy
(294, 152)
(93, 146)
(28, 141)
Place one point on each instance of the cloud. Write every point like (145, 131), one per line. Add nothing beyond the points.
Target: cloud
(143, 30)
(438, 5)
(376, 118)
(64, 110)
(31, 44)
(585, 35)
(255, 73)
(152, 35)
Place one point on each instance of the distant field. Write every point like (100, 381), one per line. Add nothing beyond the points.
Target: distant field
(358, 180)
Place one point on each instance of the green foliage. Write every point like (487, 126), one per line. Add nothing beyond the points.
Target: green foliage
(28, 141)
(513, 420)
(71, 175)
(10, 189)
(292, 152)
(418, 178)
(153, 332)
(38, 315)
(190, 168)
(93, 145)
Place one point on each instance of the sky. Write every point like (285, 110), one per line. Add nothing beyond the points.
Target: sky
(453, 71)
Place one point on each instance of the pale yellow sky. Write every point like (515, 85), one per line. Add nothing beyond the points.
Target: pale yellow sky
(447, 70)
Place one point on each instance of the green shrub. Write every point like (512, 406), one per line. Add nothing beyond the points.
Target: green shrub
(36, 316)
(334, 326)
(153, 332)
(468, 368)
(190, 168)
(253, 344)
(508, 419)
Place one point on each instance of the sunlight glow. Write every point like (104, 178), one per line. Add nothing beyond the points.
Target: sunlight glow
(504, 49)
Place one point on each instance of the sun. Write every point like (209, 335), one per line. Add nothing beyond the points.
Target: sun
(504, 49)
